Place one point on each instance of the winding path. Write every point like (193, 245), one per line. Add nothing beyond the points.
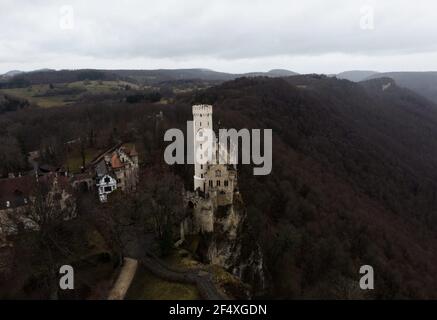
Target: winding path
(124, 279)
(202, 279)
(198, 277)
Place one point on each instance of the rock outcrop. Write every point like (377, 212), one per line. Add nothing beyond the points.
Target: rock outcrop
(220, 224)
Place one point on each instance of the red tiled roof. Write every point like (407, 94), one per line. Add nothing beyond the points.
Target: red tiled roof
(10, 187)
(115, 161)
(16, 189)
(133, 151)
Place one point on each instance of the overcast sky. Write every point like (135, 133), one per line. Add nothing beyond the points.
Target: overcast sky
(306, 36)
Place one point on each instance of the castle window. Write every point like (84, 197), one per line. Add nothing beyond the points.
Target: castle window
(218, 183)
(201, 175)
(210, 183)
(200, 123)
(226, 183)
(201, 166)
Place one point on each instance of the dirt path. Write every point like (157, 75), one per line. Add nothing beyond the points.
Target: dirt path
(200, 278)
(124, 279)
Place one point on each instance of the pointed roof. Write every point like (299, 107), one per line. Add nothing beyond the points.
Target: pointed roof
(115, 161)
(129, 149)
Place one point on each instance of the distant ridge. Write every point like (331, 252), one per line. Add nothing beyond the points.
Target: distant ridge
(423, 83)
(356, 75)
(11, 73)
(272, 73)
(140, 76)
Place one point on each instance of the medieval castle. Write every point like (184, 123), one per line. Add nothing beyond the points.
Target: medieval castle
(215, 184)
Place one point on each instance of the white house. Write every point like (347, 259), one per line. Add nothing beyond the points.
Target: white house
(105, 185)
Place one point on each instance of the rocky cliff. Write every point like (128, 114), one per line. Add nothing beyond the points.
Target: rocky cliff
(221, 226)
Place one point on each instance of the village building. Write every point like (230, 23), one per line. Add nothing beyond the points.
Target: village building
(17, 195)
(116, 169)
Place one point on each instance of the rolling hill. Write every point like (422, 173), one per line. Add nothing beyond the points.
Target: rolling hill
(354, 182)
(423, 83)
(356, 75)
(147, 77)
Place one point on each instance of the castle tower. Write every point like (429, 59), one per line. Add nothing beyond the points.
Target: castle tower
(202, 118)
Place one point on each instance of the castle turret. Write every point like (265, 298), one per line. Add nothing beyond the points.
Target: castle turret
(202, 117)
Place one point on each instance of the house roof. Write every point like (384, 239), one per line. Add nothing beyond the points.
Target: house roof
(101, 169)
(16, 190)
(130, 150)
(115, 161)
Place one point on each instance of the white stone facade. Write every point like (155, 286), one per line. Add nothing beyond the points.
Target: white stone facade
(106, 185)
(118, 168)
(214, 184)
(202, 117)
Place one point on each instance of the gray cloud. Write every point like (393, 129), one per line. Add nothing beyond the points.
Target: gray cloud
(307, 36)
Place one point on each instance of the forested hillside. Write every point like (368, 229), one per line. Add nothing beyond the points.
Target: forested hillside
(353, 183)
(9, 103)
(353, 180)
(423, 83)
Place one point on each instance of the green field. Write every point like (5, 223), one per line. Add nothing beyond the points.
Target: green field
(74, 160)
(145, 286)
(58, 95)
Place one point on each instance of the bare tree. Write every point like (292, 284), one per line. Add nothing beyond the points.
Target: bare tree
(161, 202)
(43, 220)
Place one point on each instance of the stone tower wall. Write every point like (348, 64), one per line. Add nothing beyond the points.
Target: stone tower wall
(202, 117)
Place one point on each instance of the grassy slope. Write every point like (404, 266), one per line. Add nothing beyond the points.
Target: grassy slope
(146, 286)
(89, 87)
(74, 161)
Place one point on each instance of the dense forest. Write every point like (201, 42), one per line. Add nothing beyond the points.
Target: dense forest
(9, 103)
(353, 183)
(353, 179)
